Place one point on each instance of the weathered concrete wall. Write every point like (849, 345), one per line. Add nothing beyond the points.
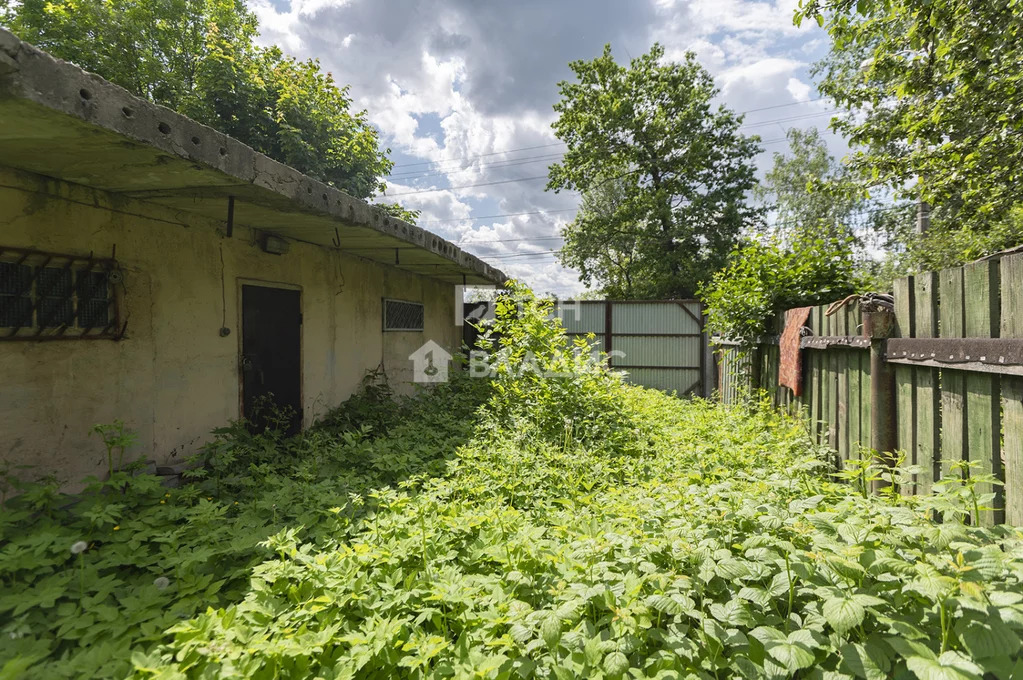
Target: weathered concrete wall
(174, 378)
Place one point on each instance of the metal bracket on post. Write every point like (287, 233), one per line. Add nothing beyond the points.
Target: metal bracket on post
(878, 325)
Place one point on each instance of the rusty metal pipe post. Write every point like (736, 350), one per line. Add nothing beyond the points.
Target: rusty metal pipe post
(878, 325)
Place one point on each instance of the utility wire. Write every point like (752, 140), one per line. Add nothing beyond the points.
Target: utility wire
(495, 164)
(550, 238)
(490, 217)
(545, 146)
(526, 160)
(467, 186)
(509, 240)
(486, 184)
(482, 155)
(507, 164)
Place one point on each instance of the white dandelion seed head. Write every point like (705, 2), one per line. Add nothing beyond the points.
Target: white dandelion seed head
(161, 582)
(78, 547)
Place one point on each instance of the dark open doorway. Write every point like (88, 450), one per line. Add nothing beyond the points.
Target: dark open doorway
(271, 355)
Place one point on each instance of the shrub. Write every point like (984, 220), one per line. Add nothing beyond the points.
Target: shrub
(768, 276)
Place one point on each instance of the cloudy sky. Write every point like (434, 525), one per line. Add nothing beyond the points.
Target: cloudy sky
(462, 93)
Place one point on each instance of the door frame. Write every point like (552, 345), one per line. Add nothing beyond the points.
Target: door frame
(240, 283)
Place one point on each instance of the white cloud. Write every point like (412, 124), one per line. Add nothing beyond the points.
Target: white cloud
(450, 83)
(799, 90)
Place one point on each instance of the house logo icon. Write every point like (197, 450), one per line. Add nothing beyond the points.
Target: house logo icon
(430, 363)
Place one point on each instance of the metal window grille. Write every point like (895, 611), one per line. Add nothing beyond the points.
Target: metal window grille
(400, 315)
(48, 296)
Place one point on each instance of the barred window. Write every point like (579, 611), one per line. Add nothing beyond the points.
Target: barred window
(47, 296)
(400, 315)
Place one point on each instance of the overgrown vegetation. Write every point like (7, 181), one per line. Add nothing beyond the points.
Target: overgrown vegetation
(200, 58)
(570, 526)
(928, 90)
(770, 275)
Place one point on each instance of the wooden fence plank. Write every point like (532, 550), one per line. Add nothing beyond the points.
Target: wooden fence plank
(1012, 389)
(842, 360)
(983, 403)
(953, 383)
(817, 406)
(866, 422)
(855, 404)
(832, 359)
(905, 376)
(852, 364)
(928, 398)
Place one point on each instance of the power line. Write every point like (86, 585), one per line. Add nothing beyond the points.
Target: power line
(482, 155)
(490, 217)
(546, 146)
(528, 160)
(782, 106)
(551, 238)
(791, 119)
(502, 181)
(496, 164)
(467, 186)
(509, 240)
(539, 253)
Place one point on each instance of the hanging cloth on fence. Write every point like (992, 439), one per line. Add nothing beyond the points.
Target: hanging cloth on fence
(790, 367)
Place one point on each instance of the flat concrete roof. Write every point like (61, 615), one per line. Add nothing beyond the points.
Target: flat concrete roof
(59, 121)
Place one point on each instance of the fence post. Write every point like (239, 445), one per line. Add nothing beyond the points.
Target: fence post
(755, 372)
(878, 325)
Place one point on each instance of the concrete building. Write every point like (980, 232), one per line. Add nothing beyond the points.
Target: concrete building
(156, 271)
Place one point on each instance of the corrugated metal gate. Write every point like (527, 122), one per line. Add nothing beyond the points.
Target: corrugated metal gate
(659, 343)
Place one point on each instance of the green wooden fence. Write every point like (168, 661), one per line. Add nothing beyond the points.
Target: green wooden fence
(955, 392)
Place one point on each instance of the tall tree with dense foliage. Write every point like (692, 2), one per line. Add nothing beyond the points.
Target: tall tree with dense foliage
(807, 187)
(199, 57)
(600, 246)
(808, 255)
(816, 198)
(683, 166)
(931, 89)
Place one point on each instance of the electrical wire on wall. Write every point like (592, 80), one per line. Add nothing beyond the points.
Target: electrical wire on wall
(115, 277)
(340, 262)
(224, 330)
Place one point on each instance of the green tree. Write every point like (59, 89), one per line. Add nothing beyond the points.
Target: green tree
(931, 89)
(807, 187)
(816, 199)
(198, 57)
(600, 246)
(683, 166)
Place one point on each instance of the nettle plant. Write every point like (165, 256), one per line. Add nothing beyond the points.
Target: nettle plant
(478, 535)
(725, 550)
(546, 385)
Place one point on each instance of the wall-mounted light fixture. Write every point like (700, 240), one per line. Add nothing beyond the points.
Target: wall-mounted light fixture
(274, 245)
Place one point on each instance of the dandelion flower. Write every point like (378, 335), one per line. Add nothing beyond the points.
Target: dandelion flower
(78, 547)
(161, 582)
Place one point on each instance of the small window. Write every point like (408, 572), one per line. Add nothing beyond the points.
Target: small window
(46, 296)
(400, 315)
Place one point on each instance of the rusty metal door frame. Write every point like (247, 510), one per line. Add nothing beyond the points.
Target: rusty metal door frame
(241, 284)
